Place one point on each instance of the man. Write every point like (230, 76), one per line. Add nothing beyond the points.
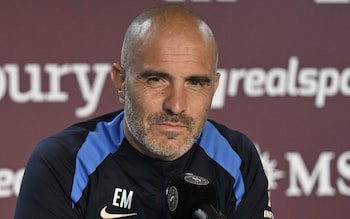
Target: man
(119, 165)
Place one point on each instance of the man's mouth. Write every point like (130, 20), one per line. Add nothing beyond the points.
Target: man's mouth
(172, 127)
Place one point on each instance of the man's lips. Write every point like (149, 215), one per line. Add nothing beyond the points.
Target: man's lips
(172, 126)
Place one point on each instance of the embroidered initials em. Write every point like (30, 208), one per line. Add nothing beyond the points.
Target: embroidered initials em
(122, 198)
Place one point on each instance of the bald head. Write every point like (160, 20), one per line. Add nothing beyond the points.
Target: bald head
(167, 20)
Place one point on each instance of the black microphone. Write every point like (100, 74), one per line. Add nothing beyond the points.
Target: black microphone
(191, 197)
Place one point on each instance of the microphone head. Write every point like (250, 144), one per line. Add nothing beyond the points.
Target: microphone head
(186, 193)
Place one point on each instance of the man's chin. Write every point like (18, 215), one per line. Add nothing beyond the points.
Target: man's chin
(169, 152)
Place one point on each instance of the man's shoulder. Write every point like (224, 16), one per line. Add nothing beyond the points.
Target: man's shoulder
(239, 141)
(229, 133)
(90, 124)
(70, 139)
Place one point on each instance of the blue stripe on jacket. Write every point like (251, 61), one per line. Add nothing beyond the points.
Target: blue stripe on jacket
(104, 140)
(219, 149)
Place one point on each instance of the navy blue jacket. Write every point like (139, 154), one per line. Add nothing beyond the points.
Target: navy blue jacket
(90, 171)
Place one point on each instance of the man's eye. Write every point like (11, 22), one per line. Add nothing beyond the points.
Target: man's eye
(199, 82)
(156, 81)
(196, 82)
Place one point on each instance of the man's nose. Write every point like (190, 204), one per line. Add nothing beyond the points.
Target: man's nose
(175, 100)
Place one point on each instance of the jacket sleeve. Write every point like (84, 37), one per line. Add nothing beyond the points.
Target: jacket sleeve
(46, 185)
(255, 203)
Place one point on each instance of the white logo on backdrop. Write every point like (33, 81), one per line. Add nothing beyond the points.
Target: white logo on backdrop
(10, 182)
(293, 81)
(11, 77)
(270, 166)
(304, 181)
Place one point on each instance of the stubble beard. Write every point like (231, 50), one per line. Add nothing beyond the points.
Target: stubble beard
(169, 149)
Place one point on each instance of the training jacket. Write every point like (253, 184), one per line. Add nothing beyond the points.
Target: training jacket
(89, 170)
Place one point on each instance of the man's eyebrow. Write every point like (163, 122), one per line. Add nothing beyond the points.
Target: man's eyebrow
(147, 74)
(200, 78)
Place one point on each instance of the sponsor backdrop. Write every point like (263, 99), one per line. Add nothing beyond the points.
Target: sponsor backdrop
(285, 82)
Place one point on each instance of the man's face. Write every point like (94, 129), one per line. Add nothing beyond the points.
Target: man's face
(168, 93)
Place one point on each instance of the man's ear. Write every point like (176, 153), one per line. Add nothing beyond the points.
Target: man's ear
(118, 78)
(217, 80)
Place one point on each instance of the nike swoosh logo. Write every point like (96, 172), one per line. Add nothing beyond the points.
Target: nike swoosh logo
(105, 215)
